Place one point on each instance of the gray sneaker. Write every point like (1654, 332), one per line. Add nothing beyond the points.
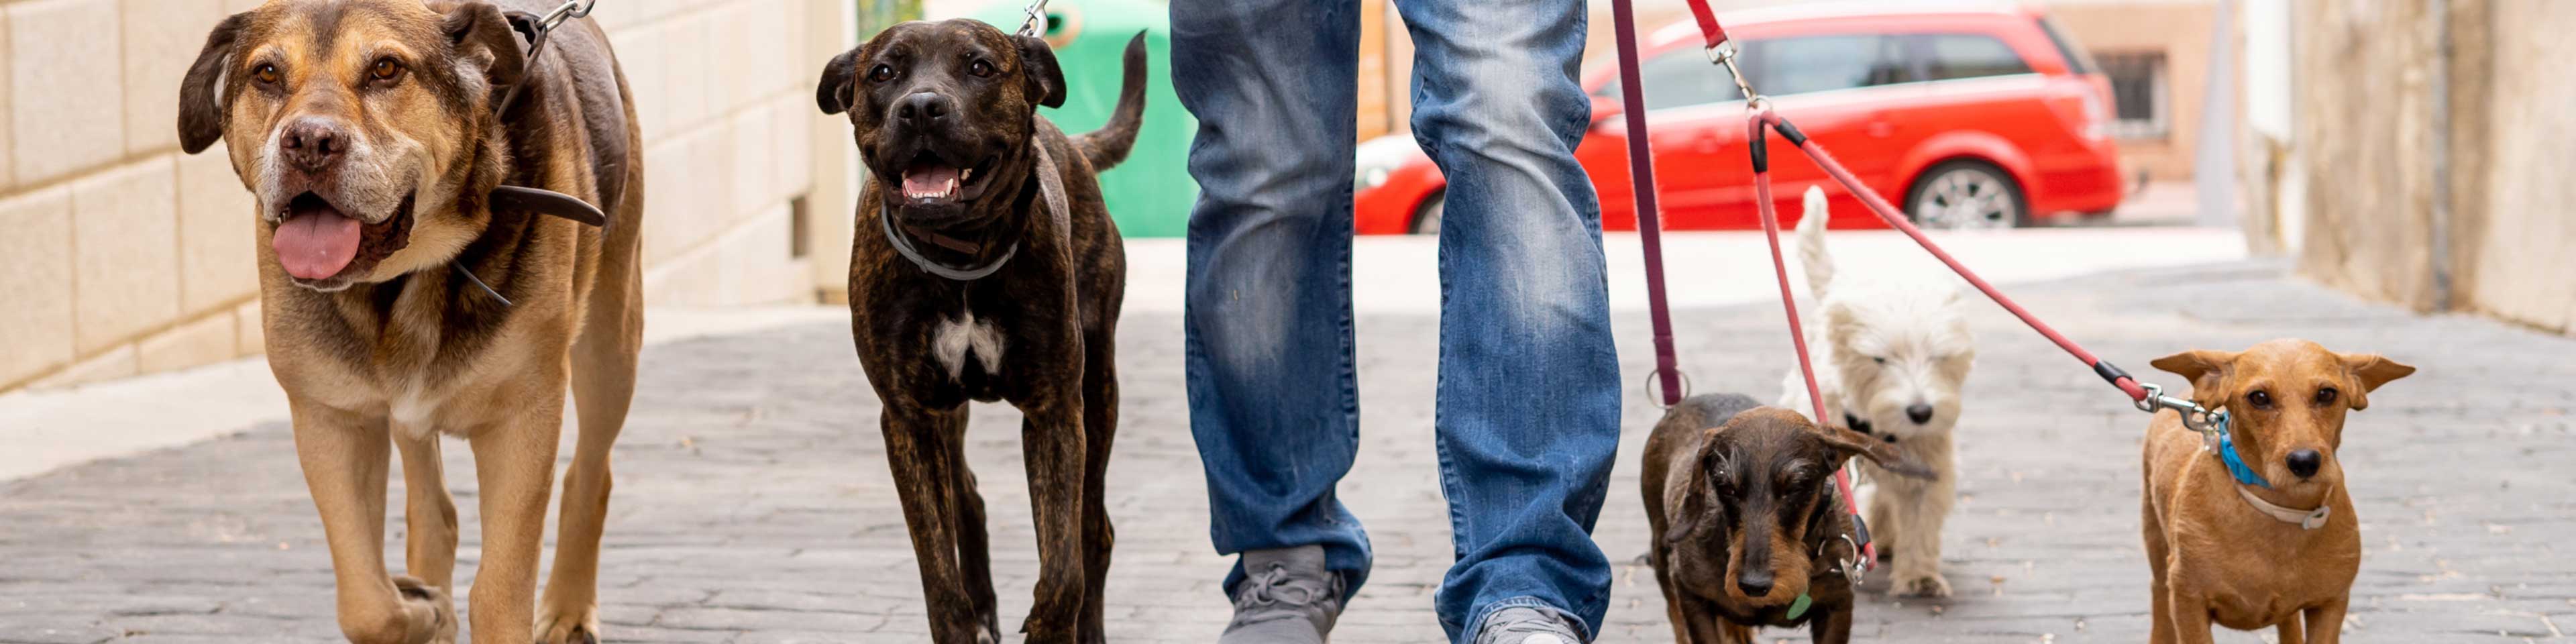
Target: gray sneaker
(1526, 625)
(1287, 597)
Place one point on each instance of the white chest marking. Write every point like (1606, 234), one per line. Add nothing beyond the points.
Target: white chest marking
(411, 413)
(955, 339)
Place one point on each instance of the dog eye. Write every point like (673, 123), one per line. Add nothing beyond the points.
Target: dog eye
(266, 74)
(2326, 396)
(2260, 399)
(385, 69)
(880, 74)
(980, 69)
(1880, 359)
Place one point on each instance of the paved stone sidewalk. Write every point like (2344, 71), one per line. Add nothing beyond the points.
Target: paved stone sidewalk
(753, 503)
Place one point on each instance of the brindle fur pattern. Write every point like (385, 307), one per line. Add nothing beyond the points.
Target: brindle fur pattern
(2215, 559)
(1738, 493)
(398, 349)
(1038, 334)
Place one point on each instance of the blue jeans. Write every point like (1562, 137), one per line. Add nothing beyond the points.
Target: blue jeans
(1528, 398)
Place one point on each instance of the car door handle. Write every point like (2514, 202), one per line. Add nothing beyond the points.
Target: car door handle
(1881, 129)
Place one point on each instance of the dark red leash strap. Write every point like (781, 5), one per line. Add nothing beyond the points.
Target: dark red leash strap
(1708, 28)
(1641, 167)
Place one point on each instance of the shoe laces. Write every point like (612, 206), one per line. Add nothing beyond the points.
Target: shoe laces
(1276, 587)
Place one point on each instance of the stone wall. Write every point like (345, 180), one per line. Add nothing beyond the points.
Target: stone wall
(2434, 174)
(120, 256)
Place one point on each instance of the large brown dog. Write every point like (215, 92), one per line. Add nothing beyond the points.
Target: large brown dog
(367, 129)
(1749, 528)
(986, 268)
(2249, 556)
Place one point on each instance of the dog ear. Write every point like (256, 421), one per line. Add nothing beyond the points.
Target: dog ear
(2371, 370)
(479, 32)
(203, 99)
(1038, 69)
(2203, 367)
(840, 77)
(1848, 443)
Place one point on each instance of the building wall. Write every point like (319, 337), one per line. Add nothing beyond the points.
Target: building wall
(2466, 212)
(2178, 30)
(120, 256)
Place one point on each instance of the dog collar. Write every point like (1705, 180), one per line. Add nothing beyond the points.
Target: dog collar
(2236, 463)
(2306, 519)
(1050, 191)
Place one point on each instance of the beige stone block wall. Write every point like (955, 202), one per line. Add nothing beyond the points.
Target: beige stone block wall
(2525, 266)
(121, 256)
(2370, 80)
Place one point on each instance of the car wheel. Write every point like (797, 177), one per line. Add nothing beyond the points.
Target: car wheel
(1426, 218)
(1967, 195)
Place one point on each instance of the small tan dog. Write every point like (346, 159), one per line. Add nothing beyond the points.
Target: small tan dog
(2278, 542)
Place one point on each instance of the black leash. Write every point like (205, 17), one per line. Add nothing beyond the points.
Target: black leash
(547, 202)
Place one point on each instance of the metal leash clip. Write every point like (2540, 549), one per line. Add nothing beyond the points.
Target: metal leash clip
(1037, 19)
(1852, 567)
(1724, 55)
(2210, 424)
(567, 11)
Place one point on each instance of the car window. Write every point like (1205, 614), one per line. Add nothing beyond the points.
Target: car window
(1679, 78)
(1952, 56)
(1783, 66)
(1776, 67)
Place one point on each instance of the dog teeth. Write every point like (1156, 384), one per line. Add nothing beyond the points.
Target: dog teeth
(966, 175)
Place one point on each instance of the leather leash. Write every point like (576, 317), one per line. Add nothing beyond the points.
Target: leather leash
(524, 198)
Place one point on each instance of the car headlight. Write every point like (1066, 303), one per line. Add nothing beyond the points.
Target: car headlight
(1369, 177)
(1377, 158)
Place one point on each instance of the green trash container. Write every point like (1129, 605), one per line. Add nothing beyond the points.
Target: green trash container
(1150, 193)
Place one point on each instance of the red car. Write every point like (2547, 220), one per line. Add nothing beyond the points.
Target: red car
(1966, 119)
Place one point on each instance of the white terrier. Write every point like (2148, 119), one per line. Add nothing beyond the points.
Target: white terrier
(1891, 353)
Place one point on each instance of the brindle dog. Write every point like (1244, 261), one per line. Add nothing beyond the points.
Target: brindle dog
(1748, 524)
(946, 116)
(367, 130)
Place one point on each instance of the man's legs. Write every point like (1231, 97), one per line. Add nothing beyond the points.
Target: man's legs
(1273, 402)
(1529, 379)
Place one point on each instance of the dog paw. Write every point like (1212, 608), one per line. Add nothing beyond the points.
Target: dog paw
(428, 611)
(568, 627)
(1924, 586)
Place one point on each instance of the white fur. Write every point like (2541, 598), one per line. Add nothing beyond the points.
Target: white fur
(1882, 342)
(954, 339)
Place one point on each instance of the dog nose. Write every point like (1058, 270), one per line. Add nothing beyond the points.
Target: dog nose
(922, 107)
(1919, 412)
(2305, 462)
(1754, 583)
(313, 144)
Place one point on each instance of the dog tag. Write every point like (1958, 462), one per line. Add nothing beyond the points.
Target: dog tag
(1799, 607)
(2317, 519)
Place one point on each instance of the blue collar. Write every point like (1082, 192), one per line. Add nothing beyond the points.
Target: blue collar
(2235, 463)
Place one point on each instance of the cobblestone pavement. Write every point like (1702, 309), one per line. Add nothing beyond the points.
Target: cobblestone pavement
(753, 503)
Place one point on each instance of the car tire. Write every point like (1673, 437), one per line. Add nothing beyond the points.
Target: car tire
(1963, 195)
(1426, 217)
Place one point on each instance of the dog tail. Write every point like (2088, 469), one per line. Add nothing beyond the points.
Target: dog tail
(1819, 265)
(1107, 146)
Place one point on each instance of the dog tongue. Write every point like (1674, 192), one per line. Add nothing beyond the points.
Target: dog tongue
(316, 244)
(929, 179)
